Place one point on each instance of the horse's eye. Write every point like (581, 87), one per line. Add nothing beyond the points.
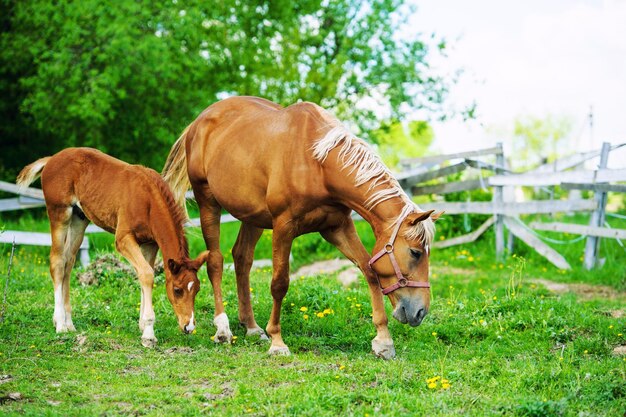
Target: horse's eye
(417, 254)
(178, 292)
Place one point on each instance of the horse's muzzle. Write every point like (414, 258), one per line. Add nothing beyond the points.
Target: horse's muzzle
(412, 314)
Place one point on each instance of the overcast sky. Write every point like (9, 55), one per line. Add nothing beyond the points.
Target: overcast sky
(532, 57)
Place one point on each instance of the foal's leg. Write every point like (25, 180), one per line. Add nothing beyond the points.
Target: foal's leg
(75, 234)
(149, 252)
(210, 214)
(345, 238)
(282, 240)
(129, 248)
(60, 217)
(243, 254)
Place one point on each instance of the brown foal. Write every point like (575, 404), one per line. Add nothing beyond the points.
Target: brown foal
(134, 203)
(298, 170)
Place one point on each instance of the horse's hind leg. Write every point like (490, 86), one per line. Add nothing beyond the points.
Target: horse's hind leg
(345, 238)
(243, 254)
(60, 218)
(74, 238)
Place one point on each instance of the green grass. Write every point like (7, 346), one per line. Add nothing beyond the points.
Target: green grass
(507, 346)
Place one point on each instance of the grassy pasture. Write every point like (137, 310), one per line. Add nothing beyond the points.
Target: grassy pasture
(495, 343)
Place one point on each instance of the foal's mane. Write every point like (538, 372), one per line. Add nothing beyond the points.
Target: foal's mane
(359, 158)
(177, 212)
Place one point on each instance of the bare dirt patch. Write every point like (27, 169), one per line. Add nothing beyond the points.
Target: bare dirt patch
(584, 291)
(349, 273)
(620, 350)
(451, 270)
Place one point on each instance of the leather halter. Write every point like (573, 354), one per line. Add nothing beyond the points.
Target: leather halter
(388, 250)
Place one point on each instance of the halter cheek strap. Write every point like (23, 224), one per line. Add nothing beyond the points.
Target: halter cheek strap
(388, 250)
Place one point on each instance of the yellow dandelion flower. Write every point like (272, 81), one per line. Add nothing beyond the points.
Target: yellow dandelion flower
(319, 315)
(235, 337)
(32, 346)
(225, 303)
(495, 298)
(470, 259)
(434, 334)
(445, 386)
(306, 317)
(586, 351)
(292, 304)
(432, 385)
(619, 334)
(328, 311)
(442, 238)
(611, 326)
(303, 309)
(342, 367)
(194, 331)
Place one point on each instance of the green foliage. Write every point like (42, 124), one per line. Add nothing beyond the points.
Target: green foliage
(397, 141)
(127, 77)
(539, 140)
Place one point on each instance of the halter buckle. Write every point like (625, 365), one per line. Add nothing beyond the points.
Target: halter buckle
(389, 247)
(402, 282)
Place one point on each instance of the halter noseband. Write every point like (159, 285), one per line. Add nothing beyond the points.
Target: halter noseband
(388, 250)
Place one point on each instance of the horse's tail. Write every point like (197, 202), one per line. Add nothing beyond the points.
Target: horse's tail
(31, 172)
(175, 171)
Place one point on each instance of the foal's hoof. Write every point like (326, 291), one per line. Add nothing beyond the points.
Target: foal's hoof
(279, 351)
(149, 342)
(64, 328)
(256, 333)
(384, 350)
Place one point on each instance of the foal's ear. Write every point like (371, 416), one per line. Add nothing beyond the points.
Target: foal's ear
(174, 266)
(415, 218)
(202, 258)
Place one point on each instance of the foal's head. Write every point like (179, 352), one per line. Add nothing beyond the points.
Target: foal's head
(182, 285)
(402, 265)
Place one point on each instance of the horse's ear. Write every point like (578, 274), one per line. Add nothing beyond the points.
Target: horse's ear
(174, 266)
(202, 258)
(435, 216)
(415, 218)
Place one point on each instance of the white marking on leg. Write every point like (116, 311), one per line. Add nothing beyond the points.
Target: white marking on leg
(223, 333)
(189, 286)
(59, 309)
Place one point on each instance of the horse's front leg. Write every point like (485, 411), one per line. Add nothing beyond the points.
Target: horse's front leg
(346, 239)
(243, 255)
(282, 239)
(130, 249)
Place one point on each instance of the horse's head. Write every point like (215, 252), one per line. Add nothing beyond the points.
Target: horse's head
(401, 262)
(182, 285)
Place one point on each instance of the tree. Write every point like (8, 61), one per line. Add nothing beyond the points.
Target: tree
(536, 140)
(397, 140)
(128, 76)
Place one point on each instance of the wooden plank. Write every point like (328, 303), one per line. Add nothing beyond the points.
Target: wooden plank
(556, 178)
(610, 188)
(470, 237)
(41, 239)
(537, 244)
(431, 175)
(16, 189)
(442, 158)
(571, 161)
(490, 167)
(10, 204)
(514, 208)
(580, 229)
(452, 187)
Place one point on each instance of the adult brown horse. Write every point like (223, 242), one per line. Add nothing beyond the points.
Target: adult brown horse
(134, 203)
(298, 170)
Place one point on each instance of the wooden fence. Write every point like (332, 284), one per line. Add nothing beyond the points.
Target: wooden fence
(418, 173)
(417, 178)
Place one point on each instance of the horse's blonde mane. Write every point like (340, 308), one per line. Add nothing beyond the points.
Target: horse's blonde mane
(357, 156)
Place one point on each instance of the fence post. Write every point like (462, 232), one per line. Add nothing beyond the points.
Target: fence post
(597, 216)
(498, 201)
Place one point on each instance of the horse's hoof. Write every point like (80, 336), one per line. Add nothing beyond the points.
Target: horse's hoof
(149, 343)
(383, 350)
(70, 327)
(256, 333)
(63, 328)
(223, 337)
(279, 351)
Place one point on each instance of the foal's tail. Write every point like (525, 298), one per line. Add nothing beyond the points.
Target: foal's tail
(31, 172)
(175, 171)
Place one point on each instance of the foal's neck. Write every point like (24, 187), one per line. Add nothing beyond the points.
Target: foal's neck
(168, 234)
